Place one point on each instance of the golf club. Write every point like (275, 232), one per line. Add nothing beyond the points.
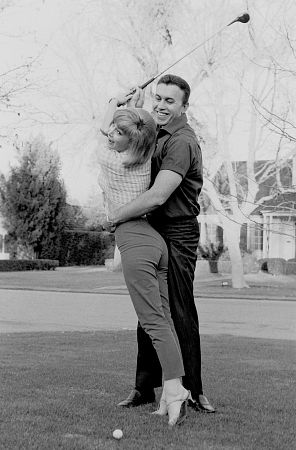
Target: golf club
(244, 18)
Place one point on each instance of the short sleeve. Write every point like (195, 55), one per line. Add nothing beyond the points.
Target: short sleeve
(178, 156)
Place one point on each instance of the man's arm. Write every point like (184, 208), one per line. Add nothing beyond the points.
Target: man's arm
(164, 185)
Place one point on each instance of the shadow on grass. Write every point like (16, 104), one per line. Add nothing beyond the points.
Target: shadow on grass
(60, 390)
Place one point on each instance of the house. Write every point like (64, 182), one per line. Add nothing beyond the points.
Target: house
(270, 230)
(278, 227)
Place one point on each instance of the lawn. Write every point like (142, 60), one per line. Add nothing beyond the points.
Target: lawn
(59, 391)
(76, 279)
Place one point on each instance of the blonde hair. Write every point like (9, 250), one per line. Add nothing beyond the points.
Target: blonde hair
(139, 126)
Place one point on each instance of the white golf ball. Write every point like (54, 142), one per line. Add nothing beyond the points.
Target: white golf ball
(117, 434)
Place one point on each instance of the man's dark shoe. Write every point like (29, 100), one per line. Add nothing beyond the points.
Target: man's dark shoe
(136, 398)
(202, 405)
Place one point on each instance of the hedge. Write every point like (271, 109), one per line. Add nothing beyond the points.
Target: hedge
(275, 266)
(13, 265)
(85, 247)
(291, 266)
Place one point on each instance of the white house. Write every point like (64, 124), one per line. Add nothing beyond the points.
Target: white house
(270, 232)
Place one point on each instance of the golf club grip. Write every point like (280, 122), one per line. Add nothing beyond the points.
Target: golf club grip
(147, 82)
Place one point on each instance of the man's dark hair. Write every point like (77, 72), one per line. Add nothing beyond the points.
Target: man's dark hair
(178, 81)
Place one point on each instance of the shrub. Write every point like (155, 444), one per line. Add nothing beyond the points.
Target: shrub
(211, 252)
(85, 247)
(250, 263)
(263, 264)
(33, 200)
(291, 266)
(13, 265)
(274, 266)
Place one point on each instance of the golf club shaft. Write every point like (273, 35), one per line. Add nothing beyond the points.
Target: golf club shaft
(246, 18)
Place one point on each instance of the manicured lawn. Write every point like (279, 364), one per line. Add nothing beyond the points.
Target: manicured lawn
(96, 279)
(59, 391)
(77, 279)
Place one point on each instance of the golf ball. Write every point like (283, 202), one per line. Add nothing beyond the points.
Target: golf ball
(117, 434)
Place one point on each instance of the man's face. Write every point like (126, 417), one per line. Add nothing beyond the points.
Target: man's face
(168, 103)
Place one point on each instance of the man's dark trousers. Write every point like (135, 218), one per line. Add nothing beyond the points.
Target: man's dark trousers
(181, 236)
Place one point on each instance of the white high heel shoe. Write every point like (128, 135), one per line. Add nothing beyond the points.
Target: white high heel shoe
(177, 409)
(162, 408)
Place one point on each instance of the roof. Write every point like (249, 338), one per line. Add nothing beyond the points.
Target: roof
(282, 203)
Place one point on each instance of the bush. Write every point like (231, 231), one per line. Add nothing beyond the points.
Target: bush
(263, 264)
(13, 265)
(211, 252)
(85, 247)
(291, 266)
(274, 266)
(250, 263)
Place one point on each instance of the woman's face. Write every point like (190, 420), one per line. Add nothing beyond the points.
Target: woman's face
(117, 140)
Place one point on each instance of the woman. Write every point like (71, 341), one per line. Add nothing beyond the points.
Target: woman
(125, 174)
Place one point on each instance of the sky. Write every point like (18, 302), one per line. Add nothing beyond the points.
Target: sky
(28, 29)
(63, 100)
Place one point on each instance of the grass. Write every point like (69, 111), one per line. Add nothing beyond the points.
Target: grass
(96, 279)
(59, 391)
(76, 279)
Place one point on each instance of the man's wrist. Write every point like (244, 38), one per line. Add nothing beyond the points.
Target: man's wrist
(108, 225)
(112, 221)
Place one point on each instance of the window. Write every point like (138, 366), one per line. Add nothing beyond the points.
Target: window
(213, 233)
(256, 236)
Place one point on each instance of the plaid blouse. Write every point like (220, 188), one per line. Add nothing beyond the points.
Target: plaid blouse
(120, 184)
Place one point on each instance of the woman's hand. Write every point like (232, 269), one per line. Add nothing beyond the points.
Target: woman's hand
(114, 102)
(124, 98)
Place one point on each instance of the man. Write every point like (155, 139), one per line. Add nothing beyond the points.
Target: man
(171, 206)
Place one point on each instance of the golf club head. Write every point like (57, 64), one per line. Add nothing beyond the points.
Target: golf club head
(244, 18)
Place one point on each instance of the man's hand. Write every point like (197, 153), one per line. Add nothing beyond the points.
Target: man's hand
(108, 226)
(123, 98)
(137, 99)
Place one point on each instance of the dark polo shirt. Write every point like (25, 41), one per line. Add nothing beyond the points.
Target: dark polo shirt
(177, 150)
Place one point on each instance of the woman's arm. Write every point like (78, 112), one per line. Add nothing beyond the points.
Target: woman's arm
(108, 117)
(114, 103)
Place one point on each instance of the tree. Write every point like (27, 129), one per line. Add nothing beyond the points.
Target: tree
(17, 79)
(33, 200)
(235, 78)
(243, 87)
(250, 89)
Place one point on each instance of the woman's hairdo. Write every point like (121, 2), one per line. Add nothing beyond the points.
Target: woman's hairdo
(140, 124)
(140, 127)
